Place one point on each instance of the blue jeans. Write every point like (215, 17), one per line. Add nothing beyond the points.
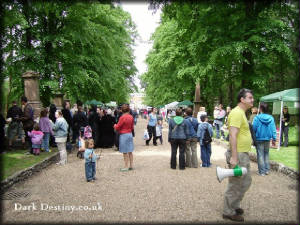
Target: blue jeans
(175, 144)
(285, 133)
(45, 142)
(218, 126)
(205, 155)
(262, 150)
(90, 170)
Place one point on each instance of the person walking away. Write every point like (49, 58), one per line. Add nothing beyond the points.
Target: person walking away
(191, 159)
(151, 126)
(15, 126)
(125, 128)
(240, 144)
(135, 116)
(60, 129)
(46, 128)
(178, 133)
(27, 120)
(90, 160)
(265, 130)
(285, 127)
(204, 135)
(36, 136)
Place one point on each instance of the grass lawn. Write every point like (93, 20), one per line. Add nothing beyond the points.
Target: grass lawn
(17, 160)
(289, 156)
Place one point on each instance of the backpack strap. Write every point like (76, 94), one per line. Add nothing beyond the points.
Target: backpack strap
(174, 128)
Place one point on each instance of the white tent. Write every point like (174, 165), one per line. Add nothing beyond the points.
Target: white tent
(172, 105)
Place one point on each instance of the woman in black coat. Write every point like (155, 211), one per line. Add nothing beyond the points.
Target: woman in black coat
(107, 130)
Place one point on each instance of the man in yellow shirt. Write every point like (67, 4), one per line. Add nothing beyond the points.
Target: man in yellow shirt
(240, 144)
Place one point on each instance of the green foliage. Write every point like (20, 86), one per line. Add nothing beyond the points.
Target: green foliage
(81, 49)
(224, 45)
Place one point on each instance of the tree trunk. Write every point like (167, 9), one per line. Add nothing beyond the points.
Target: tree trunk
(197, 99)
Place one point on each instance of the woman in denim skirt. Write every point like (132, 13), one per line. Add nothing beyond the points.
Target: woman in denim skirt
(125, 127)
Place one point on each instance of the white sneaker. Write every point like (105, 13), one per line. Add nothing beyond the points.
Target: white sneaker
(260, 174)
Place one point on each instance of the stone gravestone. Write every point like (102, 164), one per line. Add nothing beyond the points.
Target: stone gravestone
(58, 100)
(32, 91)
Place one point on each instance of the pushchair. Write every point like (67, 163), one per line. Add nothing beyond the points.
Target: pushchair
(85, 133)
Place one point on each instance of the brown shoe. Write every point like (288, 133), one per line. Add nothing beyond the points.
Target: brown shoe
(239, 211)
(237, 218)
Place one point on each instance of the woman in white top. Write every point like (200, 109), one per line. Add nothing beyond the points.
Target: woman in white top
(200, 113)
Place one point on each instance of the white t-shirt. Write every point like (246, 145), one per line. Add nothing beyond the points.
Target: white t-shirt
(200, 113)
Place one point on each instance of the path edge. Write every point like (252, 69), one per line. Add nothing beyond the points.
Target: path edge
(27, 172)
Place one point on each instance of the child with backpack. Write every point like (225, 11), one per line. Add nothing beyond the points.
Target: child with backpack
(36, 139)
(204, 135)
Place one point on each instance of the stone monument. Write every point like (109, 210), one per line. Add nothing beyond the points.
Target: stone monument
(58, 100)
(32, 90)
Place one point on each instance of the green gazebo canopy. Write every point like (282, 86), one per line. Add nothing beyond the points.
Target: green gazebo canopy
(185, 103)
(93, 102)
(289, 95)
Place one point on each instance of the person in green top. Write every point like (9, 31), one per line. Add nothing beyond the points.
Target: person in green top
(240, 144)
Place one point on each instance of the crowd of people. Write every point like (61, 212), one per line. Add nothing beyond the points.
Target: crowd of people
(60, 128)
(108, 127)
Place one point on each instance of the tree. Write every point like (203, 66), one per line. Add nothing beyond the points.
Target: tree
(80, 49)
(224, 45)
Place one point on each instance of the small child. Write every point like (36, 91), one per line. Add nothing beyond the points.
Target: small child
(36, 139)
(159, 131)
(46, 128)
(90, 160)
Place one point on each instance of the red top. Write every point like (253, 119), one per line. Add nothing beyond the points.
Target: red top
(125, 124)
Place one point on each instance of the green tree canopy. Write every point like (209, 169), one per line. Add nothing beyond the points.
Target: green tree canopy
(80, 49)
(224, 45)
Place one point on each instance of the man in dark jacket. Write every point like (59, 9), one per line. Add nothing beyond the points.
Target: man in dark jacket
(15, 127)
(79, 120)
(67, 115)
(27, 120)
(178, 134)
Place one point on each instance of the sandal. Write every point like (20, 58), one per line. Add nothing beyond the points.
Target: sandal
(124, 169)
(130, 168)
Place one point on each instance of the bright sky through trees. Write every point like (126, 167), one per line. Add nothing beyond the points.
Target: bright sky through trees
(146, 21)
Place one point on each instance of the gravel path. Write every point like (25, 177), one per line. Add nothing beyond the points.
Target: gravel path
(151, 193)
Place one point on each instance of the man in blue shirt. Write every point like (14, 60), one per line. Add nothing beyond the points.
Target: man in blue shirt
(152, 126)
